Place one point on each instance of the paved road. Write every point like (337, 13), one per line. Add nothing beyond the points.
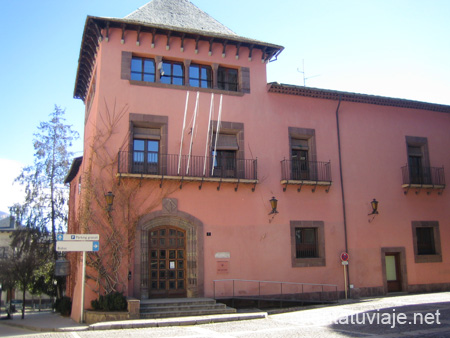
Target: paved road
(406, 316)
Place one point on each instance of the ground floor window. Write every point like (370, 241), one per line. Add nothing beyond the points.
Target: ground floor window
(426, 241)
(307, 243)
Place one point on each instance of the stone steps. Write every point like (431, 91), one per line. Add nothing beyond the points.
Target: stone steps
(181, 307)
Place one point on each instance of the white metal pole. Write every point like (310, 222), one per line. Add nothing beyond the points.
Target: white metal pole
(192, 133)
(217, 134)
(211, 108)
(83, 277)
(345, 280)
(182, 131)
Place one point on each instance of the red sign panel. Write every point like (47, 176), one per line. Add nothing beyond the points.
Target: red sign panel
(344, 257)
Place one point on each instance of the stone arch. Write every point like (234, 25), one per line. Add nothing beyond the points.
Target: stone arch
(170, 215)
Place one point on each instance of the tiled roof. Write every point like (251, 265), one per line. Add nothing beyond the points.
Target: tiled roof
(178, 13)
(327, 94)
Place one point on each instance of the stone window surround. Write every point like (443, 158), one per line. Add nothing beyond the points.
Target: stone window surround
(308, 262)
(150, 121)
(243, 74)
(437, 257)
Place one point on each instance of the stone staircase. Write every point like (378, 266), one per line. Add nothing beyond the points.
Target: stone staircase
(181, 307)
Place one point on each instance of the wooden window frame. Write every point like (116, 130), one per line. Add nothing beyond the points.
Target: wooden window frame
(226, 83)
(320, 240)
(432, 258)
(171, 76)
(200, 79)
(142, 73)
(153, 122)
(418, 174)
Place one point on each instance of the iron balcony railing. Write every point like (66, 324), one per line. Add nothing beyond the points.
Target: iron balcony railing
(423, 175)
(147, 163)
(298, 170)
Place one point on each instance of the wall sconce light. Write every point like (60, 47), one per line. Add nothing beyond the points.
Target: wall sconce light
(129, 275)
(273, 204)
(109, 200)
(374, 212)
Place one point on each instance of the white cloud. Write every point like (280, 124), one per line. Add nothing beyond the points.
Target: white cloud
(9, 193)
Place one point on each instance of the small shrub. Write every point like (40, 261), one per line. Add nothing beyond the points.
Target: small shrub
(64, 306)
(114, 301)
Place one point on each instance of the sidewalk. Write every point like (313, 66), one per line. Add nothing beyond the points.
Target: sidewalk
(48, 321)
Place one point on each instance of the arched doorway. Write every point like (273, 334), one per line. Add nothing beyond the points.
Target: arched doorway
(156, 272)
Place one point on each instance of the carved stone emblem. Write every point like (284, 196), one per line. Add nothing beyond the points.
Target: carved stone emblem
(170, 205)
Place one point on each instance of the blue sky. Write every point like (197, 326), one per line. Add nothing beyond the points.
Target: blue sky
(393, 48)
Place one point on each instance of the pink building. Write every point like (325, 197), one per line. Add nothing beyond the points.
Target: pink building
(183, 129)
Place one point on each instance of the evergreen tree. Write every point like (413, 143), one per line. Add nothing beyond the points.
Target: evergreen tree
(45, 204)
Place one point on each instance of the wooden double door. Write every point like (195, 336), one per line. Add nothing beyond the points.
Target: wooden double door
(167, 257)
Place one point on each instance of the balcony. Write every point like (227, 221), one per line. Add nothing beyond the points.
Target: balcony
(311, 173)
(430, 178)
(184, 168)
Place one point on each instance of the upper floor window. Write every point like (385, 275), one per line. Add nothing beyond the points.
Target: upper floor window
(172, 73)
(227, 79)
(155, 70)
(224, 155)
(300, 159)
(200, 76)
(418, 161)
(146, 150)
(142, 69)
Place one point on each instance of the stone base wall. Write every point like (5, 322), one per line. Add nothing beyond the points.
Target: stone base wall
(424, 288)
(357, 293)
(133, 307)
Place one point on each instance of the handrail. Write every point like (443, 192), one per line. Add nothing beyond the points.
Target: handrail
(267, 281)
(322, 286)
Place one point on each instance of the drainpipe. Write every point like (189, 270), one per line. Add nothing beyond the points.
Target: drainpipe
(342, 184)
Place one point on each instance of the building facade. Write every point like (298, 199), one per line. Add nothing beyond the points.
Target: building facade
(183, 129)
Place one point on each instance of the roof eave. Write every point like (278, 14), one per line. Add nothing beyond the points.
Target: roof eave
(335, 95)
(74, 168)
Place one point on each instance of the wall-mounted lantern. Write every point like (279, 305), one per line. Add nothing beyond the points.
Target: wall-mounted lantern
(109, 200)
(273, 204)
(374, 205)
(129, 275)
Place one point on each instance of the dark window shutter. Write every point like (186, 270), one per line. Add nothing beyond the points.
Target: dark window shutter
(245, 79)
(125, 73)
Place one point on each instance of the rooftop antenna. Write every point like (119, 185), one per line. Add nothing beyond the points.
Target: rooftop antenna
(304, 74)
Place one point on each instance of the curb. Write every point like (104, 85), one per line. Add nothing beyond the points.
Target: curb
(180, 321)
(145, 323)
